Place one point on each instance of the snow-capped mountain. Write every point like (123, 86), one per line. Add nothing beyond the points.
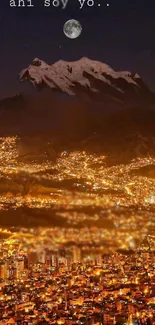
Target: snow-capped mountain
(120, 121)
(90, 79)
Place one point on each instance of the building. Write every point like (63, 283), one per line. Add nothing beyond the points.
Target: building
(76, 255)
(20, 266)
(3, 270)
(32, 257)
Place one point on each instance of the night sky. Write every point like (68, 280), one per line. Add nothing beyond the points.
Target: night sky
(121, 35)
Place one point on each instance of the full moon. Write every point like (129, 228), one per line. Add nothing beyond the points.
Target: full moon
(72, 28)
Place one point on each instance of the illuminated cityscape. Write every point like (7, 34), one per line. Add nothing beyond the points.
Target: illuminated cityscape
(47, 279)
(77, 162)
(77, 239)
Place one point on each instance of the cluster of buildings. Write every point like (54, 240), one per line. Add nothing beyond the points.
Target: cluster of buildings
(65, 286)
(71, 274)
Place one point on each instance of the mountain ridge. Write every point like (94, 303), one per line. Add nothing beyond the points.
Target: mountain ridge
(89, 80)
(117, 120)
